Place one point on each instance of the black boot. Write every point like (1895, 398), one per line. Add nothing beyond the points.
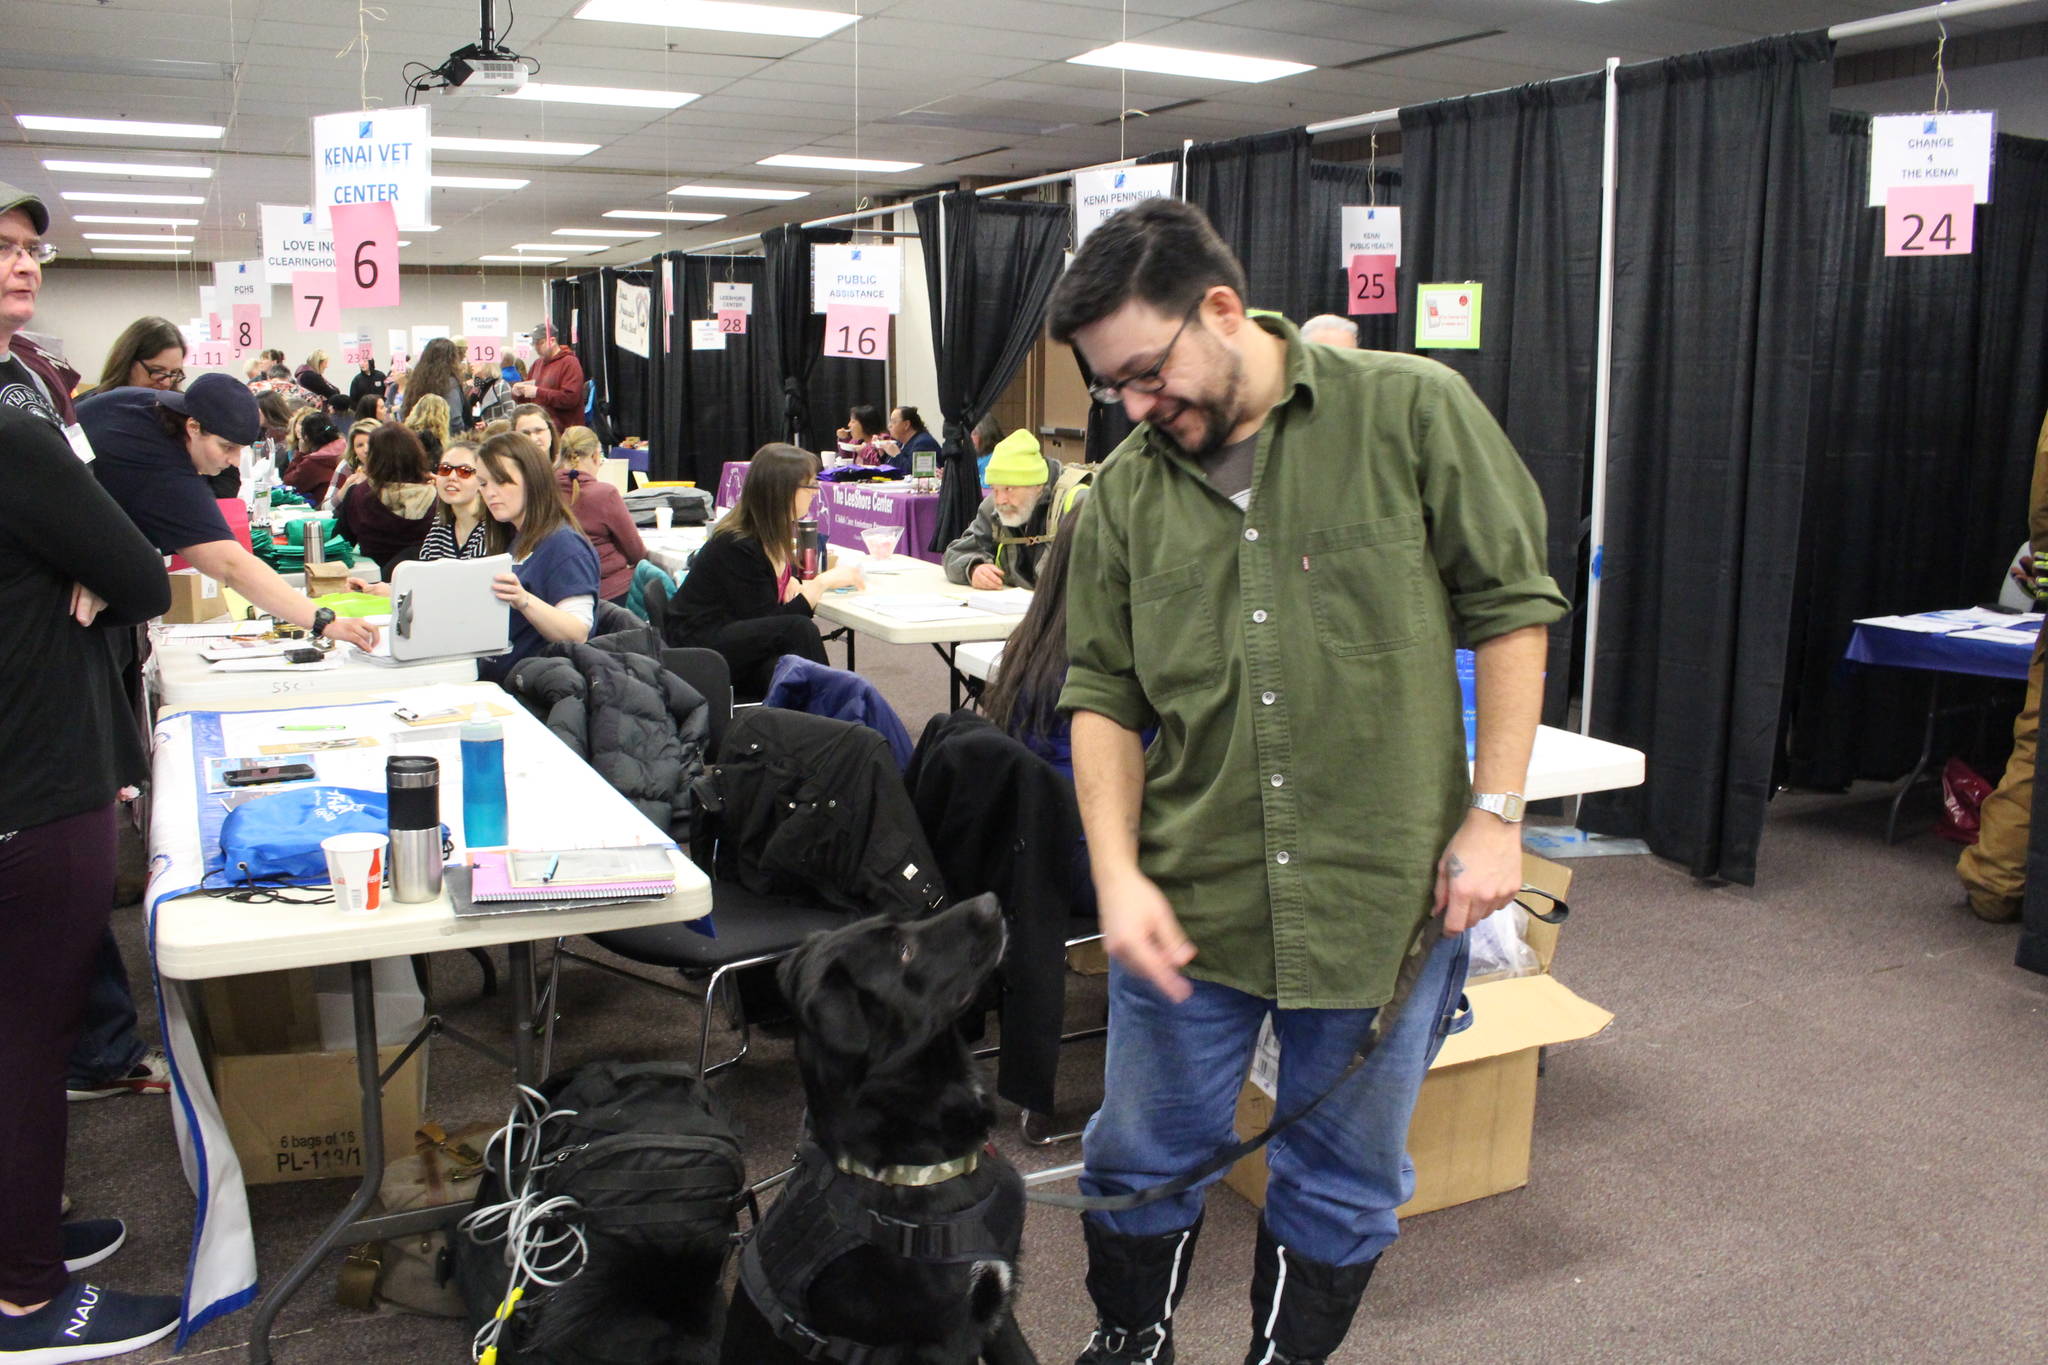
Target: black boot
(1135, 1282)
(1301, 1309)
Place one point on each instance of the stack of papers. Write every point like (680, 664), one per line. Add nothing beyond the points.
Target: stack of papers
(1957, 621)
(1003, 601)
(921, 608)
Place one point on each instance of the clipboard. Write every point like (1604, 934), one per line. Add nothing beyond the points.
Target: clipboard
(443, 609)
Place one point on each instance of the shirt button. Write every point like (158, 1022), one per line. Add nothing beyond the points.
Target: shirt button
(1251, 533)
(1281, 856)
(1268, 698)
(1278, 780)
(1259, 617)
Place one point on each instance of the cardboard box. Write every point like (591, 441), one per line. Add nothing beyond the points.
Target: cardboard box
(1475, 1118)
(194, 598)
(293, 1110)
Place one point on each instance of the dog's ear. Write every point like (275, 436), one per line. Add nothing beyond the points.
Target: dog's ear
(821, 992)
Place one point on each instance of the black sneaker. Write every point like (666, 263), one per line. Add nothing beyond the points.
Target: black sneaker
(89, 1241)
(86, 1322)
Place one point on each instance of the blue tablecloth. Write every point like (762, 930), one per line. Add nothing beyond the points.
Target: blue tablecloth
(1890, 648)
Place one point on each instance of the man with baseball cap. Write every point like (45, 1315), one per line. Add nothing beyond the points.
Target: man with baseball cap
(156, 450)
(29, 379)
(556, 382)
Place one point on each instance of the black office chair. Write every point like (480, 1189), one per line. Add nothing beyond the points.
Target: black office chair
(752, 930)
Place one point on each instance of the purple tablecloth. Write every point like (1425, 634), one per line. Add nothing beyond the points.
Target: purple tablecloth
(1890, 648)
(634, 457)
(844, 510)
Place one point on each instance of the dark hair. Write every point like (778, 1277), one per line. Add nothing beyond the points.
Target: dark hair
(396, 456)
(1162, 252)
(316, 431)
(554, 432)
(494, 530)
(870, 418)
(543, 514)
(144, 336)
(366, 407)
(275, 357)
(910, 416)
(173, 423)
(277, 371)
(433, 372)
(276, 412)
(988, 431)
(773, 475)
(1023, 697)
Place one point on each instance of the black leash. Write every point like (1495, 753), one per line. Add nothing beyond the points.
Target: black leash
(1226, 1157)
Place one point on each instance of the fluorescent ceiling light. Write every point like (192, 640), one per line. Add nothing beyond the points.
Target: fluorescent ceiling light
(45, 123)
(806, 161)
(512, 145)
(659, 215)
(139, 222)
(1185, 61)
(527, 260)
(131, 168)
(723, 16)
(134, 237)
(601, 232)
(476, 182)
(425, 227)
(734, 192)
(405, 243)
(110, 197)
(140, 251)
(557, 246)
(602, 94)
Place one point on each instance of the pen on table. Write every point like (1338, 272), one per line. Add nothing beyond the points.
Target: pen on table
(312, 727)
(554, 863)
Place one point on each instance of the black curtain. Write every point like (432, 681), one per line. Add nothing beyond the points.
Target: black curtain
(628, 376)
(1256, 191)
(1504, 189)
(1933, 379)
(730, 406)
(999, 262)
(1723, 181)
(593, 331)
(1331, 186)
(561, 298)
(816, 392)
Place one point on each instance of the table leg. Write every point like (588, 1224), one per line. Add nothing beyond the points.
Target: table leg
(520, 956)
(364, 1002)
(851, 636)
(1921, 764)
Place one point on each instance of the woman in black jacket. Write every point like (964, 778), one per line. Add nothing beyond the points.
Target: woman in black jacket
(742, 597)
(71, 566)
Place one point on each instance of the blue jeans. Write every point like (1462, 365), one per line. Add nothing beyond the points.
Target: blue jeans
(108, 1046)
(1170, 1087)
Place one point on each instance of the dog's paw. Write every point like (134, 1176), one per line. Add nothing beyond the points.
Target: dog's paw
(989, 1287)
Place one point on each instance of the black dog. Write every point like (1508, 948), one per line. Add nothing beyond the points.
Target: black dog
(895, 1241)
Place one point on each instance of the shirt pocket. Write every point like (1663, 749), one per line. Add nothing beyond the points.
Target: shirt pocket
(1174, 644)
(1365, 585)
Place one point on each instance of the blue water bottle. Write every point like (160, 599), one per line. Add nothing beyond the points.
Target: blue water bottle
(483, 784)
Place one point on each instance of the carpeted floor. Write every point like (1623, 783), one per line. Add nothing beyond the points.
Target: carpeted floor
(1813, 1133)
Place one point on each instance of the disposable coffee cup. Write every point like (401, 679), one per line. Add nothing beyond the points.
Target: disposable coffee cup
(355, 865)
(664, 517)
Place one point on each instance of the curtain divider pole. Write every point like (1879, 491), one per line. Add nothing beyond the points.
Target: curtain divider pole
(1603, 394)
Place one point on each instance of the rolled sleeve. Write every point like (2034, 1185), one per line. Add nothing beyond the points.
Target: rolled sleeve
(1102, 676)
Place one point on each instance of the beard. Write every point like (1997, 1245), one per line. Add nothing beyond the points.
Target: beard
(1013, 520)
(1217, 412)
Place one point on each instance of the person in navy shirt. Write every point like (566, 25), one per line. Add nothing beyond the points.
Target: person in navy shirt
(907, 432)
(552, 588)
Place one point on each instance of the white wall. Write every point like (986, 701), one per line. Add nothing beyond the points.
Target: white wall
(917, 368)
(2017, 90)
(87, 309)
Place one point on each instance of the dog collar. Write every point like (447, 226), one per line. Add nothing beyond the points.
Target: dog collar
(915, 1176)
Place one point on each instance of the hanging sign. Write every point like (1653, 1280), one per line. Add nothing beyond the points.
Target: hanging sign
(366, 256)
(422, 335)
(705, 336)
(313, 304)
(732, 321)
(522, 346)
(487, 351)
(195, 331)
(857, 333)
(215, 329)
(209, 299)
(1931, 220)
(209, 355)
(1101, 195)
(732, 298)
(1371, 286)
(240, 282)
(355, 347)
(1370, 230)
(855, 274)
(1447, 316)
(292, 243)
(372, 156)
(401, 342)
(630, 307)
(245, 332)
(485, 319)
(1913, 150)
(668, 305)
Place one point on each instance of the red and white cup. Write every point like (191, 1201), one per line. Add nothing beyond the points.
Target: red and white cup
(355, 865)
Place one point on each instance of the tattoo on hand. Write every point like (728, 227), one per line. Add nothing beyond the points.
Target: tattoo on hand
(1457, 866)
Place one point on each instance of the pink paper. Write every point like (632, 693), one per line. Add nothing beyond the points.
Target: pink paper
(208, 355)
(366, 254)
(313, 302)
(215, 331)
(1371, 286)
(1930, 220)
(857, 333)
(732, 321)
(355, 352)
(245, 333)
(487, 350)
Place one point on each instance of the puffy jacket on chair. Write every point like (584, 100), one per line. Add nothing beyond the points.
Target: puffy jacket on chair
(821, 690)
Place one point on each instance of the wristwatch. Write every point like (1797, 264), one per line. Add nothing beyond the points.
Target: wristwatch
(322, 619)
(1507, 805)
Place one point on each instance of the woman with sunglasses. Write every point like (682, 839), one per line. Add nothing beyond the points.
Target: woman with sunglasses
(149, 354)
(462, 527)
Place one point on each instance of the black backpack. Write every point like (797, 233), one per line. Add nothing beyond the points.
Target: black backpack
(653, 1162)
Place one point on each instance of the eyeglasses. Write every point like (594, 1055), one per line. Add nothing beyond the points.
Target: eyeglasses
(159, 375)
(811, 486)
(1146, 381)
(42, 253)
(455, 471)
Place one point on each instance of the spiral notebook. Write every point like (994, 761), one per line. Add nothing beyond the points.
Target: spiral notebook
(484, 886)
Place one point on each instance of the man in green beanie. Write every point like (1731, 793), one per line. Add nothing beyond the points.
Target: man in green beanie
(1013, 530)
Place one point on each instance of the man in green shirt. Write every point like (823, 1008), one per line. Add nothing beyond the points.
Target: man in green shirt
(1274, 570)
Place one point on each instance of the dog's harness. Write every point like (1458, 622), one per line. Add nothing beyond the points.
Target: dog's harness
(827, 1210)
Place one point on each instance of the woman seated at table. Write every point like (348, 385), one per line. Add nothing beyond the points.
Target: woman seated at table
(741, 596)
(461, 527)
(320, 450)
(861, 439)
(599, 511)
(533, 421)
(312, 377)
(908, 436)
(1022, 699)
(428, 416)
(387, 513)
(354, 465)
(149, 354)
(552, 588)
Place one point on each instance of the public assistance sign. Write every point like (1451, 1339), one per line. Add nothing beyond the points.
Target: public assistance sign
(293, 242)
(1100, 195)
(856, 275)
(370, 156)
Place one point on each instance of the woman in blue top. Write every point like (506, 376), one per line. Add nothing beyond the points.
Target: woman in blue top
(552, 588)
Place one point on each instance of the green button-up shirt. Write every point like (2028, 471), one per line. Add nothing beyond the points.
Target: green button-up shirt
(1297, 658)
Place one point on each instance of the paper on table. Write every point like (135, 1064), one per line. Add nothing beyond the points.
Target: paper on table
(919, 608)
(1003, 601)
(274, 664)
(1983, 616)
(1921, 625)
(204, 630)
(2004, 635)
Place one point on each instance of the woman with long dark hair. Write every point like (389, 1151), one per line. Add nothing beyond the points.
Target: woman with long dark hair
(149, 354)
(437, 371)
(552, 588)
(1023, 697)
(742, 597)
(388, 513)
